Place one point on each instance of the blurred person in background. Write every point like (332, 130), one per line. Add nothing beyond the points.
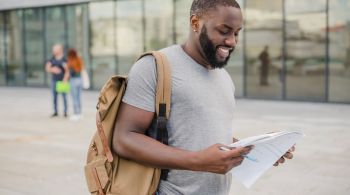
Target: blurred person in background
(264, 58)
(75, 65)
(57, 66)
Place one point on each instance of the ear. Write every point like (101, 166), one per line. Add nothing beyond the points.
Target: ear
(194, 21)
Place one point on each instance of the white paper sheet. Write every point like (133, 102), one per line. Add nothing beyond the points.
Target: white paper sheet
(268, 148)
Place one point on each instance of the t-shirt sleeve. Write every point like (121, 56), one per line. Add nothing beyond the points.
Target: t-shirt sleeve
(141, 86)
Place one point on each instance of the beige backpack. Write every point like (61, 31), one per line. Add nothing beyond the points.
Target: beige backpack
(105, 171)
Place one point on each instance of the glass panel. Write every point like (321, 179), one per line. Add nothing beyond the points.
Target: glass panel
(263, 48)
(129, 33)
(102, 41)
(76, 27)
(182, 14)
(2, 49)
(305, 58)
(15, 71)
(78, 31)
(339, 64)
(55, 29)
(34, 47)
(55, 32)
(159, 33)
(236, 63)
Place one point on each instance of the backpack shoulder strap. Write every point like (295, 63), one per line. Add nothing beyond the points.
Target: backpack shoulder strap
(163, 94)
(163, 98)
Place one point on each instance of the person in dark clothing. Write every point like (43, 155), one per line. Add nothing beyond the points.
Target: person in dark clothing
(265, 63)
(57, 66)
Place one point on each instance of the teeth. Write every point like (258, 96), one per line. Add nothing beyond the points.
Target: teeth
(226, 50)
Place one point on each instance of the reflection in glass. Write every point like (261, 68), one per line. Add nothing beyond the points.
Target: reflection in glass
(34, 47)
(102, 41)
(306, 46)
(2, 49)
(339, 59)
(55, 29)
(15, 70)
(235, 65)
(78, 31)
(129, 33)
(158, 24)
(264, 48)
(182, 25)
(75, 25)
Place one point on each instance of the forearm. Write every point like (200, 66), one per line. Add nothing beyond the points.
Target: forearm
(141, 148)
(66, 73)
(48, 68)
(66, 76)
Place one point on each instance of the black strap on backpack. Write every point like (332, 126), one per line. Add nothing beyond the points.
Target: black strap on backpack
(162, 134)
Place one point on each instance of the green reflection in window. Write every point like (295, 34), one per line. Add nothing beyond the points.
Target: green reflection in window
(15, 70)
(158, 24)
(2, 49)
(34, 47)
(102, 47)
(129, 33)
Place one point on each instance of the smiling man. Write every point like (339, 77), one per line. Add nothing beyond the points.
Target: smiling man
(202, 105)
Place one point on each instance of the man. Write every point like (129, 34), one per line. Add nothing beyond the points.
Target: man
(202, 105)
(58, 68)
(264, 58)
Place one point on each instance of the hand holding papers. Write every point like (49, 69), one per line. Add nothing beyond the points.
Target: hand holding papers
(268, 148)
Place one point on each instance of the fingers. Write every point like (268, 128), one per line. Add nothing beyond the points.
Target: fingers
(288, 155)
(292, 149)
(237, 161)
(280, 161)
(238, 152)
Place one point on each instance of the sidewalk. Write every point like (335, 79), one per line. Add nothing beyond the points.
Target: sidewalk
(40, 155)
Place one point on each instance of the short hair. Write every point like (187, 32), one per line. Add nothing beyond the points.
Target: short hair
(200, 7)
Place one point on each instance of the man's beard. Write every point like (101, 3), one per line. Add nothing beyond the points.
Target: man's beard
(210, 50)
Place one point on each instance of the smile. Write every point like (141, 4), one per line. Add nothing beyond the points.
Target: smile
(223, 52)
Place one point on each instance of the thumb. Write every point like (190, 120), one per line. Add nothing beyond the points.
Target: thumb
(239, 151)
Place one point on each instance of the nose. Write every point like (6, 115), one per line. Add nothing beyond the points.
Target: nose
(231, 41)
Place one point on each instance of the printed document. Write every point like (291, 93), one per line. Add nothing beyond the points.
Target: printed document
(268, 148)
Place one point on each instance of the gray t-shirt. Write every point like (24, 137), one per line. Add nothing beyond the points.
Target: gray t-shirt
(201, 115)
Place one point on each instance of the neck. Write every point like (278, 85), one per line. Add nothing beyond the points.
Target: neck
(58, 57)
(194, 52)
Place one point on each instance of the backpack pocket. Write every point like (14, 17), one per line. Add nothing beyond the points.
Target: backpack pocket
(97, 174)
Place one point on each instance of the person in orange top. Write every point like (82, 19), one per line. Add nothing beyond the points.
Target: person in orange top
(75, 65)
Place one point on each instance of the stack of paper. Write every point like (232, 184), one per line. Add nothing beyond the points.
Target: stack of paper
(268, 148)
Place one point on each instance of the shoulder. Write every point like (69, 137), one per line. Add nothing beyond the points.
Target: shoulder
(143, 72)
(141, 84)
(172, 51)
(143, 66)
(51, 59)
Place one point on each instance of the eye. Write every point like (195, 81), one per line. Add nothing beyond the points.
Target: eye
(224, 32)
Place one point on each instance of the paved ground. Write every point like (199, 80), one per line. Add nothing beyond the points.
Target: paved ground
(39, 155)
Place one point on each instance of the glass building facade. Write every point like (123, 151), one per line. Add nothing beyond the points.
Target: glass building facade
(307, 42)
